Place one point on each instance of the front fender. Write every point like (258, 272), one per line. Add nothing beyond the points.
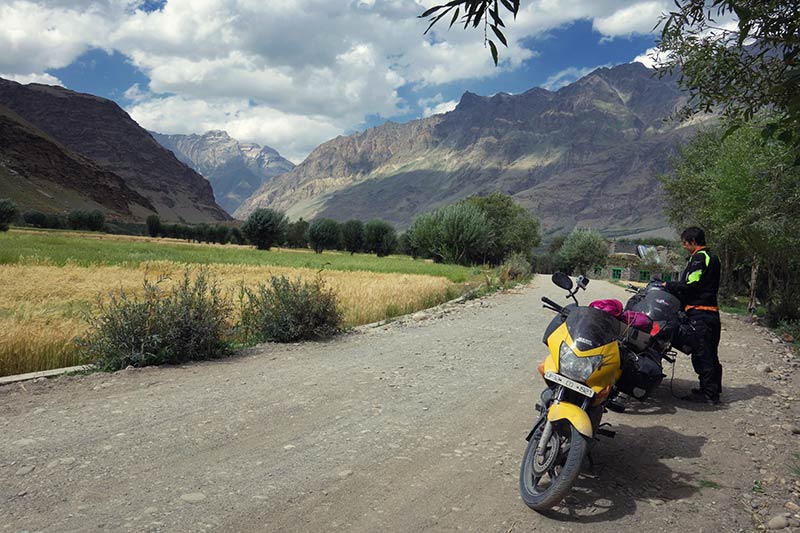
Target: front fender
(576, 416)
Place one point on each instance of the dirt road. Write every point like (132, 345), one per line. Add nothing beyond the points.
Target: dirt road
(418, 425)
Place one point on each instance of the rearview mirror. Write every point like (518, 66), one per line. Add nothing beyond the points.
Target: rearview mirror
(562, 280)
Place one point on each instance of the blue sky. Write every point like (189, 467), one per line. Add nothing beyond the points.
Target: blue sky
(295, 74)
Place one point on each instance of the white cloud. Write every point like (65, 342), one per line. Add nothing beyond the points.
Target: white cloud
(647, 59)
(640, 17)
(285, 73)
(436, 105)
(37, 36)
(134, 93)
(24, 79)
(567, 76)
(295, 135)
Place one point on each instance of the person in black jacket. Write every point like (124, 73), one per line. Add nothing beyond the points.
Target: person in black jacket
(697, 289)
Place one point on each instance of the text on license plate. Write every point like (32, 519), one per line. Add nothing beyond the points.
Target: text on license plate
(568, 383)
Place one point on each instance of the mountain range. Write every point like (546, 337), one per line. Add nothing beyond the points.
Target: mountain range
(586, 155)
(65, 150)
(235, 169)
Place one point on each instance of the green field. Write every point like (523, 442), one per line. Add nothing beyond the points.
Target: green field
(84, 249)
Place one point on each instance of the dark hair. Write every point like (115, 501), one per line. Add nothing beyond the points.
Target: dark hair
(695, 235)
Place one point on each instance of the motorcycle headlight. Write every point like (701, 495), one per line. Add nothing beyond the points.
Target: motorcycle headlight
(574, 367)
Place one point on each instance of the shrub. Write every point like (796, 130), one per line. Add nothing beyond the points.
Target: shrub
(516, 267)
(324, 234)
(288, 311)
(380, 237)
(8, 213)
(265, 228)
(188, 323)
(353, 236)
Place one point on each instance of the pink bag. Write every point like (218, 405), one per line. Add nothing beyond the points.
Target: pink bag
(611, 306)
(637, 320)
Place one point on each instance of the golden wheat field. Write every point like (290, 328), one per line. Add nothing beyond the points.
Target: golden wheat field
(43, 307)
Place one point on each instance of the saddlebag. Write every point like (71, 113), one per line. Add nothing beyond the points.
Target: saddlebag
(641, 374)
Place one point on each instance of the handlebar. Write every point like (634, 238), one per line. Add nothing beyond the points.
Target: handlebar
(552, 305)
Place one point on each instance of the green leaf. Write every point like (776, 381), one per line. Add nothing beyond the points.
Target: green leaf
(494, 51)
(479, 15)
(499, 36)
(455, 16)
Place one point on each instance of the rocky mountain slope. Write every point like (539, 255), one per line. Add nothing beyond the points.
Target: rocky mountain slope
(99, 130)
(39, 173)
(586, 155)
(235, 169)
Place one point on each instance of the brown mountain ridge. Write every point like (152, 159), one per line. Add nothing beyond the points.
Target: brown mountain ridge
(39, 173)
(587, 155)
(146, 174)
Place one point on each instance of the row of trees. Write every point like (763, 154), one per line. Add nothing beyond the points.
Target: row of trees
(78, 219)
(198, 232)
(476, 230)
(266, 228)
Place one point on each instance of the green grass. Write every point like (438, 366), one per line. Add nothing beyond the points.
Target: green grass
(60, 248)
(707, 484)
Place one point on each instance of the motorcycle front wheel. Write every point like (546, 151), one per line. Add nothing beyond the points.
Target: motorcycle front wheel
(545, 479)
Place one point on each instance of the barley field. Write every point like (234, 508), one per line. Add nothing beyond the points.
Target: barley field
(45, 298)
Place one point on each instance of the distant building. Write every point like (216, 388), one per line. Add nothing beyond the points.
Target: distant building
(638, 262)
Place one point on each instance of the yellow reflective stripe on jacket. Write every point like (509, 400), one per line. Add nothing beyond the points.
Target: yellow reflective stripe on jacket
(695, 276)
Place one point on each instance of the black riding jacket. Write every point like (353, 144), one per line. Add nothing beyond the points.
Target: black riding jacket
(699, 281)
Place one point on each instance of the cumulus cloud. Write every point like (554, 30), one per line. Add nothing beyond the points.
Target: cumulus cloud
(436, 105)
(36, 36)
(296, 135)
(292, 73)
(640, 17)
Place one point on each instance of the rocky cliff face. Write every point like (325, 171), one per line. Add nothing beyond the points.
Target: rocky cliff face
(39, 173)
(99, 130)
(586, 155)
(235, 169)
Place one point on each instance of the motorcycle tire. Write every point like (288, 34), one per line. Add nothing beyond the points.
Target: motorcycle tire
(561, 475)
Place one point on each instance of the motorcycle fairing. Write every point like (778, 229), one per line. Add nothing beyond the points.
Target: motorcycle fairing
(608, 372)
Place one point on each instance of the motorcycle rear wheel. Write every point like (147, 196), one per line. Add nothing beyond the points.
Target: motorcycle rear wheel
(541, 490)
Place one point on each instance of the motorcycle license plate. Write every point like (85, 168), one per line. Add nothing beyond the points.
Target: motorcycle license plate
(568, 383)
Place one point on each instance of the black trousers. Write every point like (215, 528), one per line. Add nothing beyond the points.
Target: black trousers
(704, 341)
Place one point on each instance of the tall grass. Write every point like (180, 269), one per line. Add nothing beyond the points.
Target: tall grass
(42, 306)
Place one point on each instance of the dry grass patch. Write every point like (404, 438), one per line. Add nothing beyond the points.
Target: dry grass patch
(42, 306)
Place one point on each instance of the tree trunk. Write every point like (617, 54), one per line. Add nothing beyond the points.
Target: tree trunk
(751, 306)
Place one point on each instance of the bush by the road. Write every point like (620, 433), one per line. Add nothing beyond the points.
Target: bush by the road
(190, 322)
(288, 311)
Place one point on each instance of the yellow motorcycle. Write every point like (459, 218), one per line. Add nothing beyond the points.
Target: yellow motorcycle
(588, 350)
